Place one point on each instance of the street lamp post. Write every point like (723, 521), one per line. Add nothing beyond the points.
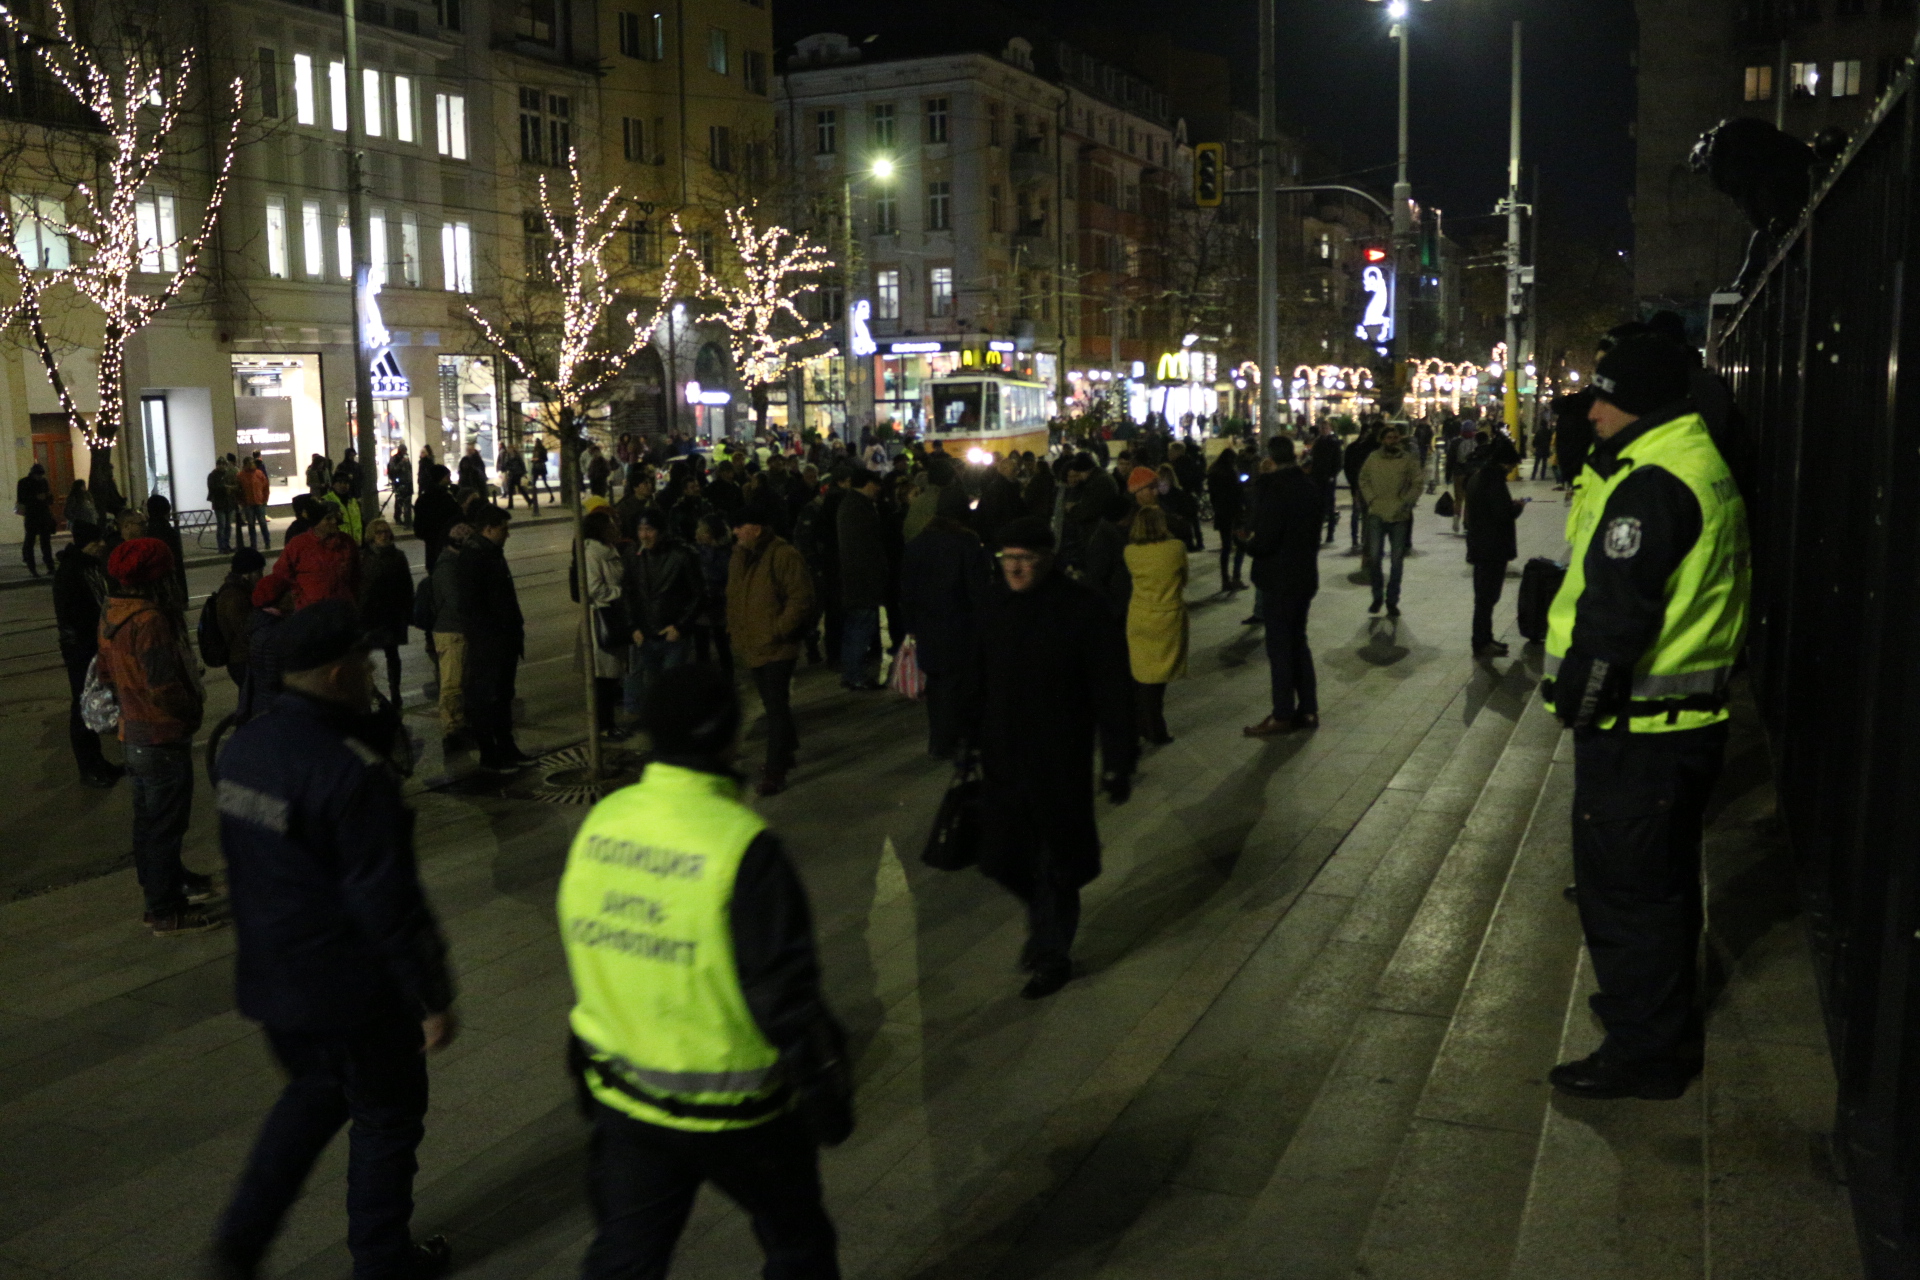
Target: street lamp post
(852, 362)
(1397, 11)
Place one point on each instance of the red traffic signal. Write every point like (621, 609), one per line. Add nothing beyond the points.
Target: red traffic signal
(1376, 254)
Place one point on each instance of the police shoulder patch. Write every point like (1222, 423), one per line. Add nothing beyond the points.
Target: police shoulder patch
(1622, 538)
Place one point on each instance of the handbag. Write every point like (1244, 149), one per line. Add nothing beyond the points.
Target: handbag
(1443, 506)
(907, 678)
(612, 632)
(954, 842)
(99, 704)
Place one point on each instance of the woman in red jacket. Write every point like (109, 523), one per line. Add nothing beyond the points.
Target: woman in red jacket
(321, 564)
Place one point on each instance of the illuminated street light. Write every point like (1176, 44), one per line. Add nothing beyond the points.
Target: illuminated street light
(1397, 10)
(883, 168)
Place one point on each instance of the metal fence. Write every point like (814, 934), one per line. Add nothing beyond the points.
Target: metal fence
(1824, 358)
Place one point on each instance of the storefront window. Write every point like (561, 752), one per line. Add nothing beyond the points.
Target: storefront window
(469, 409)
(278, 414)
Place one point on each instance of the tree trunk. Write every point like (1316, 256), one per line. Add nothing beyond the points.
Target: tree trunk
(570, 474)
(104, 489)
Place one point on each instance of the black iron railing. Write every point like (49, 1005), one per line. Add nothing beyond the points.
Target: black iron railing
(1824, 358)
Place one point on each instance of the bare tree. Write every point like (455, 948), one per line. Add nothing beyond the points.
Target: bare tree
(758, 289)
(125, 269)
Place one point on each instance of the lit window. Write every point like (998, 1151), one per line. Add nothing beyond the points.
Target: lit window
(936, 119)
(155, 222)
(939, 206)
(456, 256)
(826, 132)
(34, 220)
(1759, 84)
(377, 245)
(277, 237)
(410, 249)
(343, 244)
(1846, 79)
(450, 124)
(312, 254)
(403, 108)
(303, 88)
(717, 50)
(886, 290)
(940, 291)
(1803, 79)
(337, 93)
(370, 99)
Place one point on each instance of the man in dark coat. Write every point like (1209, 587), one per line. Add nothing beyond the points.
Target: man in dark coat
(1284, 544)
(79, 598)
(338, 956)
(436, 512)
(1088, 500)
(665, 593)
(1324, 463)
(1052, 679)
(496, 638)
(863, 577)
(1354, 459)
(1573, 435)
(1491, 544)
(34, 497)
(1000, 500)
(944, 578)
(816, 535)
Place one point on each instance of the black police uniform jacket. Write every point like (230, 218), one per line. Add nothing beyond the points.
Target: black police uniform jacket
(332, 928)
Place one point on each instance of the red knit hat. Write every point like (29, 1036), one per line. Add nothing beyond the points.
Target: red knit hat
(1141, 478)
(139, 561)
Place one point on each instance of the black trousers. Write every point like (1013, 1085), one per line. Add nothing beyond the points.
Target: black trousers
(45, 538)
(85, 742)
(1295, 687)
(643, 1179)
(1053, 908)
(1329, 492)
(374, 1076)
(944, 690)
(486, 685)
(1231, 548)
(774, 683)
(711, 644)
(1489, 579)
(1150, 711)
(1639, 801)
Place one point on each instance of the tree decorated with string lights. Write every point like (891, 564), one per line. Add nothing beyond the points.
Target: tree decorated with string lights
(134, 101)
(758, 293)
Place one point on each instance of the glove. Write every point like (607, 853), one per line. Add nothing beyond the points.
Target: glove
(1118, 786)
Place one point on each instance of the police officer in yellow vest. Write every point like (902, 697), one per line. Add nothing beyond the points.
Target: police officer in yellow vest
(1642, 639)
(701, 1042)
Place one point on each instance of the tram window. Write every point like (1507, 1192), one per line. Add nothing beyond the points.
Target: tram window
(990, 408)
(956, 407)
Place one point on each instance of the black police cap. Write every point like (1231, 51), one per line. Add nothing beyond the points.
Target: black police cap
(319, 634)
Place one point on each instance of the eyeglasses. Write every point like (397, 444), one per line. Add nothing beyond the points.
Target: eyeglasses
(1018, 558)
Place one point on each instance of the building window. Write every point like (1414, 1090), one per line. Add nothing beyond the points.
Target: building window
(886, 214)
(939, 206)
(633, 139)
(1326, 247)
(533, 20)
(371, 102)
(643, 35)
(448, 13)
(1846, 79)
(703, 248)
(377, 245)
(342, 244)
(993, 124)
(993, 208)
(720, 148)
(546, 127)
(156, 222)
(753, 71)
(312, 253)
(940, 291)
(559, 128)
(337, 94)
(303, 109)
(277, 266)
(886, 295)
(410, 249)
(642, 245)
(881, 122)
(269, 83)
(1803, 79)
(34, 220)
(456, 256)
(826, 132)
(536, 246)
(450, 124)
(403, 109)
(936, 119)
(533, 131)
(1759, 84)
(659, 139)
(716, 50)
(631, 44)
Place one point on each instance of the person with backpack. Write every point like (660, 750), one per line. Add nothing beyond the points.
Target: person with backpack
(79, 597)
(227, 616)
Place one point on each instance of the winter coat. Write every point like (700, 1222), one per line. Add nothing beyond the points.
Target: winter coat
(1000, 503)
(386, 593)
(1157, 611)
(328, 570)
(1491, 516)
(1356, 458)
(434, 515)
(446, 593)
(863, 553)
(35, 499)
(1390, 484)
(1325, 455)
(472, 473)
(79, 597)
(223, 489)
(1285, 533)
(604, 586)
(770, 601)
(233, 614)
(254, 487)
(489, 604)
(399, 474)
(1573, 433)
(921, 509)
(145, 656)
(664, 588)
(1228, 493)
(713, 576)
(945, 576)
(1050, 679)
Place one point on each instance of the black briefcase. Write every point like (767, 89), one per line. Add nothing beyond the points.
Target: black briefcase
(954, 843)
(1539, 584)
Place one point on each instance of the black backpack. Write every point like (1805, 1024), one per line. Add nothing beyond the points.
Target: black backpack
(212, 638)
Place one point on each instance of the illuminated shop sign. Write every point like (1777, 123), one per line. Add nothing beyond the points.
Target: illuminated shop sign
(1376, 323)
(389, 381)
(915, 348)
(859, 337)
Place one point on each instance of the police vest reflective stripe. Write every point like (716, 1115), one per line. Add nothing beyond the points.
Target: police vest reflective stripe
(659, 1014)
(1681, 681)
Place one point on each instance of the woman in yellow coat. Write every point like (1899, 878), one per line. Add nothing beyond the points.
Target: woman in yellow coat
(1156, 617)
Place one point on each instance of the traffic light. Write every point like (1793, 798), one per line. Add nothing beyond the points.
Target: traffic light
(1209, 174)
(1375, 253)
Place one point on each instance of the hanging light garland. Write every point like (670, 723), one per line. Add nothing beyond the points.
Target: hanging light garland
(777, 268)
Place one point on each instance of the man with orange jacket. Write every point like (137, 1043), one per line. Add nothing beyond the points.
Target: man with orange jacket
(253, 504)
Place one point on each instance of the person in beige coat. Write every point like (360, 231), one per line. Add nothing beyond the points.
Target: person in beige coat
(1390, 485)
(605, 571)
(1156, 618)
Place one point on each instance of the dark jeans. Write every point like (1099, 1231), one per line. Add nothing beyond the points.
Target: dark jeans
(1396, 536)
(1357, 516)
(486, 686)
(252, 518)
(1233, 547)
(1289, 660)
(225, 523)
(86, 743)
(859, 632)
(1639, 800)
(374, 1076)
(403, 507)
(509, 487)
(1330, 490)
(392, 652)
(643, 1178)
(774, 681)
(1150, 711)
(1540, 460)
(45, 538)
(606, 701)
(832, 622)
(944, 691)
(162, 806)
(1488, 581)
(1053, 911)
(646, 661)
(712, 644)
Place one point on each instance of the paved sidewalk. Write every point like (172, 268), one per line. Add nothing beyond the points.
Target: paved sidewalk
(1291, 963)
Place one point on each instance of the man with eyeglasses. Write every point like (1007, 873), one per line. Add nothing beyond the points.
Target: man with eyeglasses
(1052, 680)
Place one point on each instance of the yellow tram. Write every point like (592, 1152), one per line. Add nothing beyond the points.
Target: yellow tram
(973, 416)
